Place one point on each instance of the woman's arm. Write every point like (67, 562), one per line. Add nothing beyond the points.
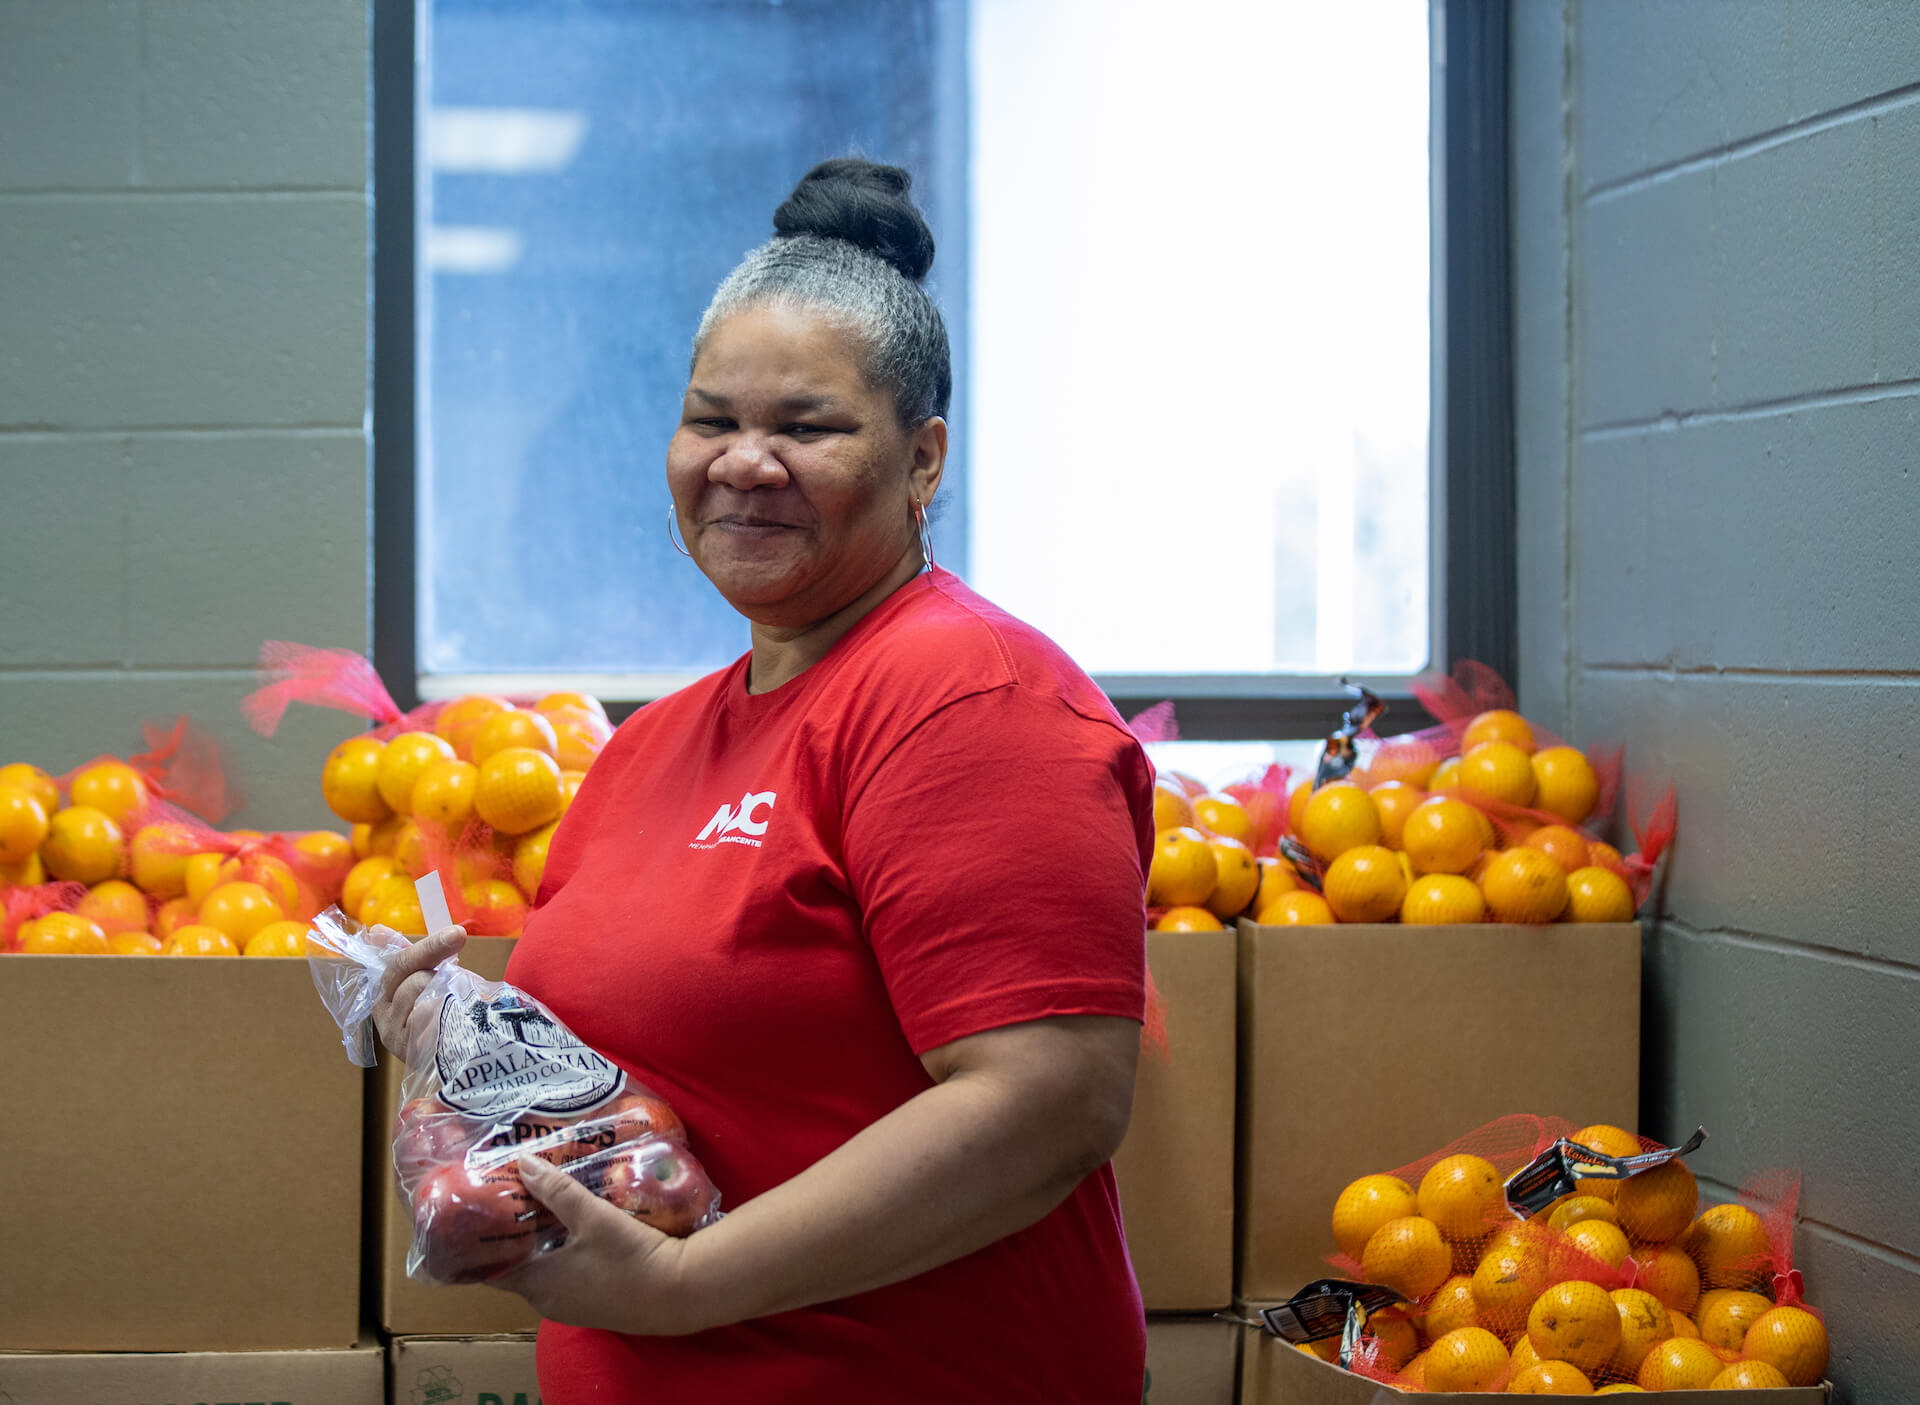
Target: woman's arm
(1016, 1118)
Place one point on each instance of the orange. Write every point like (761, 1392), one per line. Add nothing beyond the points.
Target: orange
(1729, 1243)
(62, 934)
(1608, 1140)
(1394, 801)
(278, 939)
(83, 846)
(401, 763)
(361, 878)
(578, 738)
(1413, 1376)
(158, 856)
(1365, 1205)
(1442, 835)
(530, 860)
(1365, 884)
(1564, 784)
(1566, 847)
(23, 824)
(1524, 1356)
(1409, 1256)
(1497, 771)
(457, 721)
(400, 914)
(1446, 776)
(1463, 1195)
(1171, 808)
(174, 914)
(1236, 877)
(1451, 1308)
(1657, 1205)
(114, 906)
(30, 872)
(1671, 1276)
(1524, 885)
(1187, 919)
(514, 728)
(133, 944)
(1326, 1349)
(1749, 1375)
(1724, 1321)
(1510, 1276)
(410, 848)
(1223, 815)
(1550, 1378)
(198, 940)
(572, 702)
(350, 781)
(1276, 877)
(395, 888)
(1598, 895)
(1467, 1359)
(569, 787)
(1337, 818)
(1791, 1340)
(276, 875)
(1406, 761)
(1574, 1208)
(325, 858)
(1301, 909)
(1296, 805)
(34, 781)
(1442, 899)
(1679, 1363)
(240, 909)
(1498, 725)
(361, 840)
(444, 793)
(1599, 1239)
(1604, 854)
(1621, 1388)
(1396, 1335)
(518, 789)
(1183, 869)
(495, 905)
(1575, 1322)
(113, 788)
(1644, 1324)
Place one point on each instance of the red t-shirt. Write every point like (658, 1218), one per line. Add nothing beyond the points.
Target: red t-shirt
(768, 906)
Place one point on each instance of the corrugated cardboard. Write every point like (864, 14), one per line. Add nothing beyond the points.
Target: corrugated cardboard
(1272, 1372)
(354, 1376)
(1175, 1168)
(1192, 1361)
(462, 1371)
(408, 1307)
(1365, 1047)
(186, 1153)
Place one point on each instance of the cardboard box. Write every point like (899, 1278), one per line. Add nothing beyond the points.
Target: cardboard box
(186, 1176)
(353, 1376)
(1365, 1047)
(1192, 1361)
(1272, 1372)
(405, 1306)
(1175, 1168)
(463, 1371)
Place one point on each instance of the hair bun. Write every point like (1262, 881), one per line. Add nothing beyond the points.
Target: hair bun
(867, 205)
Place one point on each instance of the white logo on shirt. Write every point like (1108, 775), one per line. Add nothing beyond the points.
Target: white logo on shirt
(736, 825)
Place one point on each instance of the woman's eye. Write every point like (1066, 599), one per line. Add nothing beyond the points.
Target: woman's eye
(713, 422)
(806, 431)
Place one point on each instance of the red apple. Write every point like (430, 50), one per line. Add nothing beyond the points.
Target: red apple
(660, 1183)
(467, 1225)
(428, 1134)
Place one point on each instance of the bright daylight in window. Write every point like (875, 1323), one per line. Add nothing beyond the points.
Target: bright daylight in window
(1183, 256)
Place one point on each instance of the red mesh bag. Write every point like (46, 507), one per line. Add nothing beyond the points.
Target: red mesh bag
(334, 678)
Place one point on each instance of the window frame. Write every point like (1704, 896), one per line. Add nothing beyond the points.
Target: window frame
(1473, 612)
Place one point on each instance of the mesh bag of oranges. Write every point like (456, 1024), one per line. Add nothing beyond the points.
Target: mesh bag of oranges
(492, 1076)
(473, 787)
(1531, 1257)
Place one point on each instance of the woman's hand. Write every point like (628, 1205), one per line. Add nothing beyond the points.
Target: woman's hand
(614, 1272)
(398, 1009)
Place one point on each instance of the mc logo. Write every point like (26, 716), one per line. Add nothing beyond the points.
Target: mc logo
(728, 820)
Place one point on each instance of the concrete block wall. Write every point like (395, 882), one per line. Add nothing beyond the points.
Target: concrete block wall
(184, 334)
(1717, 243)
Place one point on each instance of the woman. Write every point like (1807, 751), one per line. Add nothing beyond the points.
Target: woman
(865, 906)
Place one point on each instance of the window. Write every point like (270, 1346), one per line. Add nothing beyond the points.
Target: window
(1184, 258)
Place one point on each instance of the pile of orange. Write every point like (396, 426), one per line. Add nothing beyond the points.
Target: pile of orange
(483, 788)
(1407, 837)
(1622, 1287)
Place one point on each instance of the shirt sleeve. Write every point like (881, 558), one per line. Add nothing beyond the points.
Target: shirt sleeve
(998, 856)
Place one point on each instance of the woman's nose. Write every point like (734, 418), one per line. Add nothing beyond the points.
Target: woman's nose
(747, 464)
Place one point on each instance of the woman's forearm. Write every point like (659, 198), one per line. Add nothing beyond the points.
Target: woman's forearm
(982, 1154)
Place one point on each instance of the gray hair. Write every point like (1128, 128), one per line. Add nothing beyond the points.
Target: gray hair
(903, 335)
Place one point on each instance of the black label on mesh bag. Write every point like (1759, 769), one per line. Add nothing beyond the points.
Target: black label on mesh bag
(506, 1056)
(1322, 1309)
(1559, 1169)
(1338, 756)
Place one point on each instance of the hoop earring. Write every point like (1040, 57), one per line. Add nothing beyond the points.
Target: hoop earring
(926, 537)
(673, 534)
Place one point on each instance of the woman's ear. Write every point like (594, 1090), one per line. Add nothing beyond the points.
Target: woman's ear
(929, 447)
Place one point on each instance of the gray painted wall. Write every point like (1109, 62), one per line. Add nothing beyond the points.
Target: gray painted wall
(183, 372)
(1717, 224)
